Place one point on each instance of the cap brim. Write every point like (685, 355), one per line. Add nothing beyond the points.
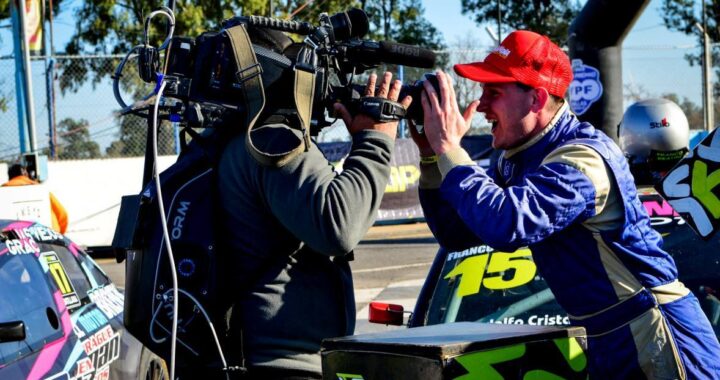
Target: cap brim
(483, 72)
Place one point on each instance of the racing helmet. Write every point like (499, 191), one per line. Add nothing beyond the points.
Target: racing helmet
(654, 134)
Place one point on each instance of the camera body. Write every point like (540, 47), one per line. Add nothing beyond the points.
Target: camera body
(202, 74)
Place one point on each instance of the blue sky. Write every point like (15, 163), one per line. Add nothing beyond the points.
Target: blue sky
(653, 57)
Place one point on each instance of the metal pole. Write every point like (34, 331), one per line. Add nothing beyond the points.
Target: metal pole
(499, 22)
(50, 83)
(19, 88)
(707, 83)
(27, 80)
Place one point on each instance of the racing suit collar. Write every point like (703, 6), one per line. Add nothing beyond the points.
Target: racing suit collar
(553, 122)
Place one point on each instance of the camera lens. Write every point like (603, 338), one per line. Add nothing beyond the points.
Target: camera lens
(415, 110)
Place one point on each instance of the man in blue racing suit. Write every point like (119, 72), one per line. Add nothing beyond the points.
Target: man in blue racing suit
(562, 188)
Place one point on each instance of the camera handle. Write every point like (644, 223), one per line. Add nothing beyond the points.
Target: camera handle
(381, 109)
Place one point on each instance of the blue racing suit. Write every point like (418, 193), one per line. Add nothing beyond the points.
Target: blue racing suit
(569, 196)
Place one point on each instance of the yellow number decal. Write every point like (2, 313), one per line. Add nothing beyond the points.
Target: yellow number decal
(489, 270)
(58, 273)
(502, 261)
(472, 271)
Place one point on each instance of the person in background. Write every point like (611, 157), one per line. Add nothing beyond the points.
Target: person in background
(564, 189)
(18, 176)
(654, 135)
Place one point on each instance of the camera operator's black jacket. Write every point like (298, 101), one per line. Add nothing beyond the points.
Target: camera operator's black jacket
(287, 231)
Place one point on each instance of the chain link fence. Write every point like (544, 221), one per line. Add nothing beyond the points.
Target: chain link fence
(79, 118)
(76, 114)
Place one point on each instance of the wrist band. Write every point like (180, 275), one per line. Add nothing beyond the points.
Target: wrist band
(429, 159)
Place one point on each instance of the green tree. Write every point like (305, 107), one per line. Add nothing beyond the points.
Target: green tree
(549, 17)
(693, 111)
(133, 136)
(469, 49)
(115, 26)
(404, 21)
(75, 140)
(3, 101)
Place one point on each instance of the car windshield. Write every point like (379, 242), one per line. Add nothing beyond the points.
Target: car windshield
(26, 297)
(468, 291)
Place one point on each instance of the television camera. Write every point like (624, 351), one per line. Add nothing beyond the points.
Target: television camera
(205, 89)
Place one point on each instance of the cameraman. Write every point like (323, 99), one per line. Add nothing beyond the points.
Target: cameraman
(290, 231)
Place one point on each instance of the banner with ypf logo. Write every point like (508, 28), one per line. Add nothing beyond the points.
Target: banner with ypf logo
(692, 187)
(585, 88)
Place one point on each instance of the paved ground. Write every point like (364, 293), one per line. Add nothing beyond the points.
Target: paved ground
(390, 266)
(399, 231)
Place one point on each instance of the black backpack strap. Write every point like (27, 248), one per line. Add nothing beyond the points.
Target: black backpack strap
(304, 92)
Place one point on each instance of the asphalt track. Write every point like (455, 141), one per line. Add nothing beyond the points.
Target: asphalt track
(390, 265)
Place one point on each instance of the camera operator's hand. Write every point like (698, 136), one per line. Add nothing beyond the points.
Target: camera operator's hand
(386, 90)
(444, 125)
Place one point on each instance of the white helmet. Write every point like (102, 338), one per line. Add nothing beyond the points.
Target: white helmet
(654, 134)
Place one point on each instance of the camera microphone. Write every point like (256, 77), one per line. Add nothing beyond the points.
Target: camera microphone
(373, 53)
(408, 55)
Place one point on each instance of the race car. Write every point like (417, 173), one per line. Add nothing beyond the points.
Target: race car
(484, 285)
(60, 315)
(522, 331)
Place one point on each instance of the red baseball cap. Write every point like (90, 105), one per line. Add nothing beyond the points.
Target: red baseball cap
(525, 57)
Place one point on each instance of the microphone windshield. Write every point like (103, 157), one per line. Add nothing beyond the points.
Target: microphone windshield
(408, 55)
(359, 22)
(350, 24)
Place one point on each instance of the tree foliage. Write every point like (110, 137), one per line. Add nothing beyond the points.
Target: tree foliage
(403, 21)
(549, 17)
(692, 111)
(115, 26)
(75, 142)
(684, 15)
(468, 49)
(133, 135)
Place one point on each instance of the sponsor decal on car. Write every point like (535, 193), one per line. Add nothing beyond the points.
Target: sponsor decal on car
(108, 299)
(91, 321)
(347, 376)
(22, 246)
(503, 362)
(59, 275)
(535, 320)
(102, 348)
(41, 233)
